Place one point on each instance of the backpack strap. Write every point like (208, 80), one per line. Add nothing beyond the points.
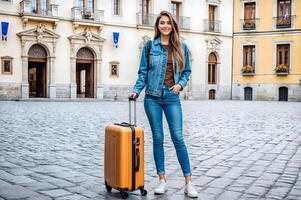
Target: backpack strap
(148, 49)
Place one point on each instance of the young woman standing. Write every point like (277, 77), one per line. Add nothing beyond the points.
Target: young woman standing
(164, 70)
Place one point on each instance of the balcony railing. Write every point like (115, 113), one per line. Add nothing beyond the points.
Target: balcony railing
(27, 8)
(87, 15)
(146, 19)
(249, 24)
(212, 25)
(285, 21)
(183, 22)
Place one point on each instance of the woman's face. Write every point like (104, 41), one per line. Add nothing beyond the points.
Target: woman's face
(164, 26)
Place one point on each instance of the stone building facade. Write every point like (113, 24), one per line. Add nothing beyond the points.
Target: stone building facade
(65, 49)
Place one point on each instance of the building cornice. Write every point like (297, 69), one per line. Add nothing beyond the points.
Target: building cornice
(286, 32)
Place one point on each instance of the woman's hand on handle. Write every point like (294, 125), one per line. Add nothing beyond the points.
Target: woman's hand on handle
(133, 95)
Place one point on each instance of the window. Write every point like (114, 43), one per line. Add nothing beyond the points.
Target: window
(87, 8)
(7, 67)
(249, 56)
(284, 17)
(145, 8)
(283, 55)
(283, 8)
(212, 18)
(40, 6)
(114, 69)
(212, 72)
(175, 9)
(249, 16)
(116, 7)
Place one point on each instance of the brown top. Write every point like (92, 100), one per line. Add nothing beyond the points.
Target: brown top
(169, 79)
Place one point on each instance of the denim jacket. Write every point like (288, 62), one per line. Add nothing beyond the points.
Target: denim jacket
(152, 73)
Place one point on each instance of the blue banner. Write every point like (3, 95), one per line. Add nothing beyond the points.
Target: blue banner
(4, 27)
(115, 39)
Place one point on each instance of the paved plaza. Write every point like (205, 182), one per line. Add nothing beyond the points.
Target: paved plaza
(238, 150)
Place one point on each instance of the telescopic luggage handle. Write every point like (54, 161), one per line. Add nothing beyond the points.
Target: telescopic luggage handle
(130, 111)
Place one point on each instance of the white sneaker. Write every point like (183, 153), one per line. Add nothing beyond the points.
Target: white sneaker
(161, 189)
(190, 191)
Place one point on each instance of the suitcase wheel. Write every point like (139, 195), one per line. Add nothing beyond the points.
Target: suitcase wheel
(143, 192)
(124, 195)
(109, 188)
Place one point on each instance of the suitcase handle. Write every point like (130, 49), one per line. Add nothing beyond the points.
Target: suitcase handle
(138, 160)
(130, 111)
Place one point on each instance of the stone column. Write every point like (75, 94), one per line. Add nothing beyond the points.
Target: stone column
(51, 76)
(99, 87)
(73, 78)
(25, 84)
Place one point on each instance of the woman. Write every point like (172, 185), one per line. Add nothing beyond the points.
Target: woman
(165, 70)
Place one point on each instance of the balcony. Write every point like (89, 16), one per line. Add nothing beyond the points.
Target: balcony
(212, 26)
(146, 19)
(48, 14)
(87, 15)
(249, 24)
(183, 22)
(285, 21)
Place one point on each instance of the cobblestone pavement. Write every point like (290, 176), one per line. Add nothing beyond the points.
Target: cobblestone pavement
(238, 150)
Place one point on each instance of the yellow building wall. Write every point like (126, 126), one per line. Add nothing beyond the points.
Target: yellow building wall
(266, 59)
(266, 37)
(266, 10)
(298, 13)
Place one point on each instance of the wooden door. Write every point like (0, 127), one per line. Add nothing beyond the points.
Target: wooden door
(284, 8)
(37, 79)
(89, 85)
(41, 79)
(283, 94)
(145, 11)
(248, 93)
(249, 12)
(175, 10)
(212, 94)
(212, 17)
(40, 6)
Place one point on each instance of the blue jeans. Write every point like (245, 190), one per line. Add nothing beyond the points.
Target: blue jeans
(171, 105)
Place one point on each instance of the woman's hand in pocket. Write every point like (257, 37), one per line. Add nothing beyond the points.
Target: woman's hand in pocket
(176, 88)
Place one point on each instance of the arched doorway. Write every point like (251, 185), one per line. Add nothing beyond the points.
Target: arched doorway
(37, 71)
(85, 73)
(283, 94)
(248, 93)
(212, 94)
(212, 68)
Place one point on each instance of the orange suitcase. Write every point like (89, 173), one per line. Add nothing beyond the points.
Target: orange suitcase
(124, 157)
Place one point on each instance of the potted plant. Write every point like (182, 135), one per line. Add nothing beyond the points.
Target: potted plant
(281, 68)
(249, 24)
(248, 69)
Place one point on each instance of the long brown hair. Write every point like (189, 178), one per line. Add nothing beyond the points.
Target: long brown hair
(174, 38)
